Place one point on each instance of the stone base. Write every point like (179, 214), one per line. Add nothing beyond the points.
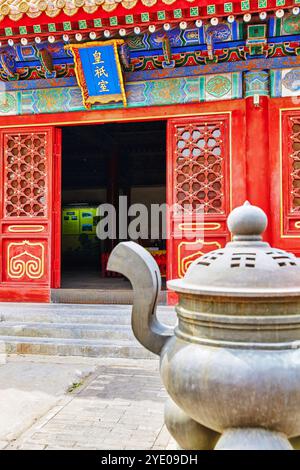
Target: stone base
(252, 439)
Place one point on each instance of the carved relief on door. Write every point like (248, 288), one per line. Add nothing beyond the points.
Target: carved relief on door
(198, 180)
(291, 174)
(25, 175)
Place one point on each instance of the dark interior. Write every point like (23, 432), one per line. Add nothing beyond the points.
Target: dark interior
(99, 163)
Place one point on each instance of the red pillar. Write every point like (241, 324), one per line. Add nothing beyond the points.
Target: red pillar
(257, 154)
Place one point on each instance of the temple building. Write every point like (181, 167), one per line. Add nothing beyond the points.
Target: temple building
(161, 101)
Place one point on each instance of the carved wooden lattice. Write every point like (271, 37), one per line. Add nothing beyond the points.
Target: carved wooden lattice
(294, 165)
(25, 165)
(199, 169)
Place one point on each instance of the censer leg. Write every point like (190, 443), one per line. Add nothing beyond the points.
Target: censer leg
(295, 442)
(252, 439)
(189, 434)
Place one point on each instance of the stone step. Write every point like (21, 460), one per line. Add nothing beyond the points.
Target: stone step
(72, 329)
(71, 318)
(74, 347)
(67, 330)
(98, 296)
(69, 313)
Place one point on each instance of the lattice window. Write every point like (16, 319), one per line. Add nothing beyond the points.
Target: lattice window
(25, 164)
(200, 166)
(294, 165)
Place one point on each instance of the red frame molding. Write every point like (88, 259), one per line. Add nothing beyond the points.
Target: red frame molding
(116, 115)
(282, 233)
(256, 172)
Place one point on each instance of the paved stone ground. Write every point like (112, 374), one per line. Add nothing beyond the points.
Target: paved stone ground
(120, 406)
(30, 388)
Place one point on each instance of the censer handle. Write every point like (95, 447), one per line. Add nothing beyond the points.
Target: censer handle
(137, 264)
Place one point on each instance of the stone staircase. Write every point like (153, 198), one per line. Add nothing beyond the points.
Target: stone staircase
(72, 330)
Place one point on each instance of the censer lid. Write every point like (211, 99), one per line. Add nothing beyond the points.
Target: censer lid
(247, 266)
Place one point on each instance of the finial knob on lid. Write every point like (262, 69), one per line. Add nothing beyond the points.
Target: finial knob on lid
(247, 222)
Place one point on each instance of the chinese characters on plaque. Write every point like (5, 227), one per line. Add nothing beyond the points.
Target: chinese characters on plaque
(98, 72)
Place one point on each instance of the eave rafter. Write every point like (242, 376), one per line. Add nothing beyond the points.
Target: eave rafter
(27, 10)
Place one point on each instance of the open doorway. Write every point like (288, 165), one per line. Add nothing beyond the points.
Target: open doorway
(99, 164)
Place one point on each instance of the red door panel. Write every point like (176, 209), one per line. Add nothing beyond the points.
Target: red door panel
(206, 166)
(26, 213)
(56, 211)
(285, 175)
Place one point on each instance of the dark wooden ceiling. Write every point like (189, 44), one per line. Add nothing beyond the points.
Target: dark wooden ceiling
(140, 149)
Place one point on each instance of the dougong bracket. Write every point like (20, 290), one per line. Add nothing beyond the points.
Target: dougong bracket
(8, 64)
(47, 62)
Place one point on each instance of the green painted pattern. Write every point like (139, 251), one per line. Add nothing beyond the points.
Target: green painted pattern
(67, 26)
(211, 9)
(241, 30)
(177, 13)
(218, 86)
(51, 27)
(146, 94)
(291, 24)
(144, 17)
(235, 85)
(278, 26)
(194, 11)
(129, 19)
(228, 7)
(161, 15)
(113, 21)
(245, 5)
(262, 3)
(202, 88)
(8, 104)
(82, 24)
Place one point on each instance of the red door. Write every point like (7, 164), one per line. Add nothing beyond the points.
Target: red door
(29, 219)
(285, 174)
(205, 166)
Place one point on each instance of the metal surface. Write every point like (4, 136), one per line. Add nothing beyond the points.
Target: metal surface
(134, 262)
(232, 367)
(247, 266)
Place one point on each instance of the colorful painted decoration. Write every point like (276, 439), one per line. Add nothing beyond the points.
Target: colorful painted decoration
(220, 32)
(7, 104)
(256, 39)
(218, 86)
(256, 83)
(125, 57)
(98, 71)
(291, 81)
(291, 24)
(8, 64)
(46, 60)
(168, 62)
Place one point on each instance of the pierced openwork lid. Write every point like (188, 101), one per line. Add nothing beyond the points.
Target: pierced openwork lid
(247, 266)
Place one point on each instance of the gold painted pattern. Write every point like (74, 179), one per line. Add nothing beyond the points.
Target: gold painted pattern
(194, 226)
(25, 228)
(18, 266)
(184, 263)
